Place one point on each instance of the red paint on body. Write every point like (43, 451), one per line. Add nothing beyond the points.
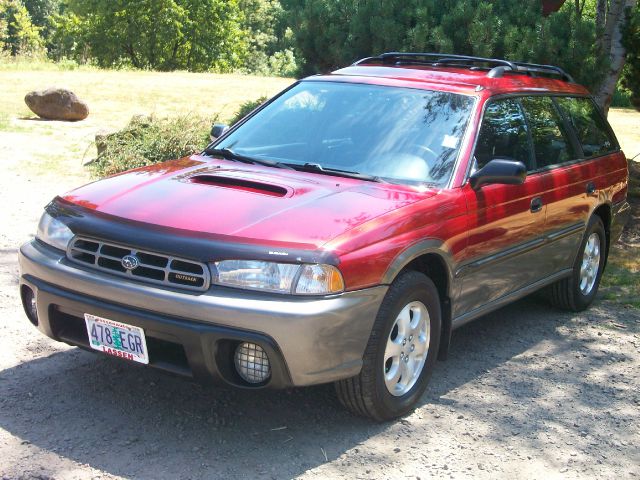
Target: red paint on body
(367, 225)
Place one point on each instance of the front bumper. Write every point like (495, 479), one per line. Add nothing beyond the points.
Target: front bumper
(308, 340)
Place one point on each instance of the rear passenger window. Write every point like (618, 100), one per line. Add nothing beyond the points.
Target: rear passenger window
(588, 124)
(503, 134)
(551, 143)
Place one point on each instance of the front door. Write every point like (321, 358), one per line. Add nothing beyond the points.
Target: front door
(506, 223)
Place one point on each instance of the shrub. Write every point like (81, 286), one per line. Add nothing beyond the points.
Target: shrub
(621, 98)
(246, 108)
(283, 64)
(148, 140)
(634, 179)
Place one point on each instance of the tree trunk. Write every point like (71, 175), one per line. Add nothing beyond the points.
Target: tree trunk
(601, 15)
(612, 47)
(615, 15)
(132, 55)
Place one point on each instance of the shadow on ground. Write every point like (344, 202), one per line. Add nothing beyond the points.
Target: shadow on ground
(136, 422)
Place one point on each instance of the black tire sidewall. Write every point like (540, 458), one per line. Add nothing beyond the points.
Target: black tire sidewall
(583, 301)
(413, 286)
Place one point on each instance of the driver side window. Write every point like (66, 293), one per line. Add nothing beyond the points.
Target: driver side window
(503, 134)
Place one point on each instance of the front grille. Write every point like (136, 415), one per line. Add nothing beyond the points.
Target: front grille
(151, 267)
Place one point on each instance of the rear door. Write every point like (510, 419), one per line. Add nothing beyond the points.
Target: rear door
(575, 176)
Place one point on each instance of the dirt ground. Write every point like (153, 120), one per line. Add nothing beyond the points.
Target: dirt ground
(528, 392)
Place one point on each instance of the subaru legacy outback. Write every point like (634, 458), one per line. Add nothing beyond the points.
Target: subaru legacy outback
(341, 231)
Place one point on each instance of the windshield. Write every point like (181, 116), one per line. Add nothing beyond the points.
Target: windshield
(392, 133)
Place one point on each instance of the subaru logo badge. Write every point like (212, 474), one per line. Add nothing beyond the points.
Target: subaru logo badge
(130, 262)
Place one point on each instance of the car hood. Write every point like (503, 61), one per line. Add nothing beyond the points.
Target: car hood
(227, 199)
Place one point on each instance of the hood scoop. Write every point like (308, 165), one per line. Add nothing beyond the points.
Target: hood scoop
(240, 184)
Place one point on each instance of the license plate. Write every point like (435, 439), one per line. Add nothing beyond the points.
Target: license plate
(117, 339)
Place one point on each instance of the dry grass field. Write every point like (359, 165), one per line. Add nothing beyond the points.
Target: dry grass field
(113, 98)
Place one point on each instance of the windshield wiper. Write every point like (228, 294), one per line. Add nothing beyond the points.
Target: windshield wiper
(229, 154)
(317, 168)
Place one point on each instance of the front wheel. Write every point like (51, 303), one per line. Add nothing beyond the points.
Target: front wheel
(577, 291)
(401, 352)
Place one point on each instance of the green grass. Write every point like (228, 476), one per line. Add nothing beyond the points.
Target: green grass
(8, 63)
(634, 180)
(5, 122)
(621, 280)
(8, 125)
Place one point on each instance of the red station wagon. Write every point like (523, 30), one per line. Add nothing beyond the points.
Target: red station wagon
(341, 231)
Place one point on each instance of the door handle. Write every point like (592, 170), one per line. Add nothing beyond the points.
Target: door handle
(536, 204)
(591, 188)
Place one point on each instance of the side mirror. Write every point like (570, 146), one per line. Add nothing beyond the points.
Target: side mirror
(217, 130)
(509, 172)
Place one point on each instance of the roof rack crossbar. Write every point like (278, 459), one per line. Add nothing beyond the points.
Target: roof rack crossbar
(497, 67)
(429, 58)
(538, 68)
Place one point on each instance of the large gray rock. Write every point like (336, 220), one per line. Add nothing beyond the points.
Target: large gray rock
(57, 104)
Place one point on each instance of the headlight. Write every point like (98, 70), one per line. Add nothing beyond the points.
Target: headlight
(279, 277)
(54, 232)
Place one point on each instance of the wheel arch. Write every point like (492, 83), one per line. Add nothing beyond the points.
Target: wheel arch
(433, 260)
(604, 212)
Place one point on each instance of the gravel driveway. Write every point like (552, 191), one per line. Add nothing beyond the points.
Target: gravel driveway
(528, 392)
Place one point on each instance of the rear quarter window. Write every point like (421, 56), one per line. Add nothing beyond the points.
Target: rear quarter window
(590, 127)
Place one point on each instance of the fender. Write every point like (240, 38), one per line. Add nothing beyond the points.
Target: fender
(418, 249)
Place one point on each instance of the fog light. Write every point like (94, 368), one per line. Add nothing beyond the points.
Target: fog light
(30, 305)
(252, 363)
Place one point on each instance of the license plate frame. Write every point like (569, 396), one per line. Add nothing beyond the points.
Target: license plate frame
(117, 339)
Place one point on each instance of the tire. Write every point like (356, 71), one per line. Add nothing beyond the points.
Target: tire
(367, 394)
(573, 293)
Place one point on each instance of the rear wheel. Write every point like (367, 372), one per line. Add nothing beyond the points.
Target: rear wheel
(577, 291)
(401, 352)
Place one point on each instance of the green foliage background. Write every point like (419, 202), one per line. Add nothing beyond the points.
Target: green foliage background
(334, 32)
(631, 74)
(18, 35)
(191, 35)
(301, 37)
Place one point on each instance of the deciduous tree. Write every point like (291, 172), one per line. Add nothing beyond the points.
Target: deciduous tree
(160, 34)
(18, 35)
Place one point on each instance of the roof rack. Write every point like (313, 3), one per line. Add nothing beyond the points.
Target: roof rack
(496, 67)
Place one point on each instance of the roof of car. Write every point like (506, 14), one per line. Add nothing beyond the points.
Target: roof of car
(458, 79)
